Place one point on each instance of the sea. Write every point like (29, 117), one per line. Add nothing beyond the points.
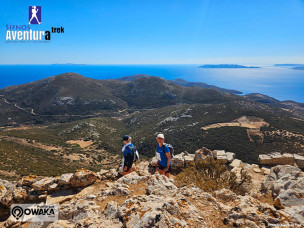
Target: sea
(282, 83)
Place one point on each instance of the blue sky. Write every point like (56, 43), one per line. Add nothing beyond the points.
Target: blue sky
(159, 32)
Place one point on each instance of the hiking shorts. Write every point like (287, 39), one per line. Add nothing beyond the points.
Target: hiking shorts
(163, 167)
(128, 162)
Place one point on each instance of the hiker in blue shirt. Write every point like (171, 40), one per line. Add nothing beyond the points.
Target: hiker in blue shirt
(127, 155)
(163, 155)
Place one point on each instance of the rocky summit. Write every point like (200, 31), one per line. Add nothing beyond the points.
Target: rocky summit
(274, 197)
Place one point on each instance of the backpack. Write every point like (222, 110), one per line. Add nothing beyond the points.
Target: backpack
(134, 153)
(170, 148)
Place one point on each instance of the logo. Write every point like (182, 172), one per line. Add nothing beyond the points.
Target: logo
(34, 212)
(34, 15)
(24, 32)
(17, 212)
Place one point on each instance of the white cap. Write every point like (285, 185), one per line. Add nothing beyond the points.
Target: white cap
(161, 136)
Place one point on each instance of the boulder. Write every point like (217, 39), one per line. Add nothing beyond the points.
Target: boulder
(296, 213)
(142, 168)
(85, 213)
(111, 210)
(277, 158)
(230, 156)
(177, 163)
(5, 187)
(65, 179)
(256, 170)
(286, 183)
(266, 171)
(53, 187)
(43, 184)
(154, 161)
(28, 180)
(264, 159)
(299, 161)
(102, 174)
(287, 159)
(235, 163)
(10, 193)
(201, 154)
(225, 195)
(160, 185)
(221, 156)
(151, 211)
(19, 195)
(112, 174)
(130, 178)
(83, 178)
(188, 159)
(290, 197)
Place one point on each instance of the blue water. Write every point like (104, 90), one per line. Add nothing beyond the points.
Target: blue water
(281, 83)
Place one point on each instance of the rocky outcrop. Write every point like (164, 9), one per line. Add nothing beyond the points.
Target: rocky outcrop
(286, 184)
(246, 211)
(139, 199)
(35, 189)
(277, 158)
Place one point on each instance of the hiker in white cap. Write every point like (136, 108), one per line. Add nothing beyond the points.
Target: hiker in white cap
(163, 155)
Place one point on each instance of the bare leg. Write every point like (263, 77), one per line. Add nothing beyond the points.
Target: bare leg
(31, 19)
(125, 172)
(161, 172)
(37, 19)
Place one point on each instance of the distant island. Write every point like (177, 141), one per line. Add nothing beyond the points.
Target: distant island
(298, 68)
(289, 65)
(73, 64)
(225, 66)
(293, 66)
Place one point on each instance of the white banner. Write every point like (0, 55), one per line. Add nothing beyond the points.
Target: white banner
(34, 212)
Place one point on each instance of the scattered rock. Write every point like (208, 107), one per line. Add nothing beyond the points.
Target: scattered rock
(43, 184)
(83, 178)
(92, 196)
(230, 156)
(266, 171)
(111, 210)
(277, 158)
(65, 179)
(177, 163)
(257, 170)
(150, 211)
(154, 161)
(188, 159)
(221, 156)
(299, 161)
(235, 163)
(201, 154)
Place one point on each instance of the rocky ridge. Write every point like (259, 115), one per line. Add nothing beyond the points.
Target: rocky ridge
(141, 199)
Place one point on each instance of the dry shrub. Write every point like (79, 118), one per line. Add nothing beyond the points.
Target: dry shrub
(211, 175)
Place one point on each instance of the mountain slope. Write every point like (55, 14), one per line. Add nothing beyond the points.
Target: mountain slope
(181, 82)
(71, 96)
(70, 107)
